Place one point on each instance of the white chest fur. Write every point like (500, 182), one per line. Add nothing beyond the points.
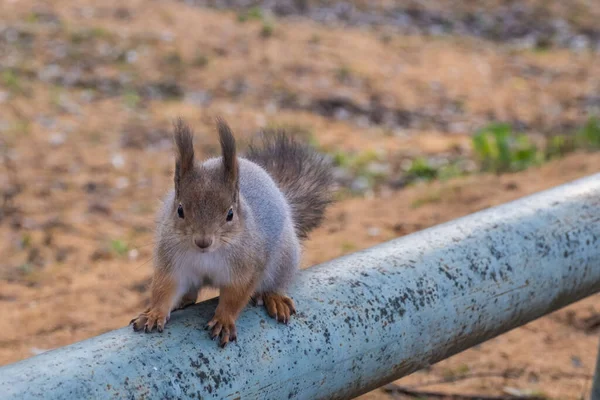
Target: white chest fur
(196, 269)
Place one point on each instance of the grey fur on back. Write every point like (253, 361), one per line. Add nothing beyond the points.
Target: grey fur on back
(303, 175)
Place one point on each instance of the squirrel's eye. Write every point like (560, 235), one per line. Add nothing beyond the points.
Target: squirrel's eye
(180, 211)
(230, 215)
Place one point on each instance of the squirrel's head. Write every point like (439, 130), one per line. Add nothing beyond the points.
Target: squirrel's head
(206, 210)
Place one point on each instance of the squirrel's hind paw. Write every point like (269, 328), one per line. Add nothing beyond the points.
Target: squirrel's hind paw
(279, 306)
(148, 320)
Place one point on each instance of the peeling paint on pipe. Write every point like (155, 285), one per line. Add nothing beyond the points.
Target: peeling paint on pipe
(364, 319)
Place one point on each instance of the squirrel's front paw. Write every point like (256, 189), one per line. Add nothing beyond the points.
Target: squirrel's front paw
(150, 319)
(278, 306)
(222, 326)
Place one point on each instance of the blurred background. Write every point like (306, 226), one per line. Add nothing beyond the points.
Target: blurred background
(429, 109)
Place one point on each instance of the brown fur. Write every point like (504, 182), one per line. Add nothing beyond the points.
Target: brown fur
(232, 300)
(230, 162)
(161, 301)
(185, 152)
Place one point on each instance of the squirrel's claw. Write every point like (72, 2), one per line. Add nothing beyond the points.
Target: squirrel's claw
(223, 328)
(148, 320)
(279, 307)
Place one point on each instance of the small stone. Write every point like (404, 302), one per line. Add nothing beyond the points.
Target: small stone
(131, 56)
(167, 36)
(133, 254)
(50, 73)
(576, 361)
(198, 98)
(373, 231)
(360, 185)
(56, 139)
(342, 114)
(118, 161)
(271, 108)
(378, 168)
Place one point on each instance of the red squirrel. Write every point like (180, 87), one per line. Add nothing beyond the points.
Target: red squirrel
(235, 223)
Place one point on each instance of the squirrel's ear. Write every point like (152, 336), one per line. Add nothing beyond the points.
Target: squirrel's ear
(230, 162)
(185, 151)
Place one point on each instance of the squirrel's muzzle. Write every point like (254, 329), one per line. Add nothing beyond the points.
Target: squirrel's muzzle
(203, 242)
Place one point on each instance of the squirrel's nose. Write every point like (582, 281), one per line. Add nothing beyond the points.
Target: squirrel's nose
(203, 242)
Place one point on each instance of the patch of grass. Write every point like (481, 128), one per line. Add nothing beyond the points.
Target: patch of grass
(315, 39)
(26, 240)
(119, 247)
(500, 150)
(452, 170)
(429, 198)
(347, 247)
(268, 28)
(20, 127)
(588, 136)
(356, 162)
(131, 98)
(32, 18)
(257, 14)
(343, 73)
(421, 169)
(254, 13)
(11, 80)
(84, 35)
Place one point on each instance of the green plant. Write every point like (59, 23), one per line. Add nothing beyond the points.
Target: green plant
(119, 247)
(11, 80)
(559, 145)
(343, 73)
(315, 39)
(356, 162)
(421, 169)
(589, 135)
(450, 171)
(78, 37)
(253, 13)
(429, 198)
(347, 247)
(499, 150)
(131, 98)
(268, 27)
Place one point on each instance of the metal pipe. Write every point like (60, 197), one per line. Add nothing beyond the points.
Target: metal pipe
(596, 383)
(364, 319)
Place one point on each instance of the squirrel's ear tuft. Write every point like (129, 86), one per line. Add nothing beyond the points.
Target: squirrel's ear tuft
(184, 147)
(230, 162)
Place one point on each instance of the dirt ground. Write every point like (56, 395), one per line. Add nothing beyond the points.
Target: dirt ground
(88, 93)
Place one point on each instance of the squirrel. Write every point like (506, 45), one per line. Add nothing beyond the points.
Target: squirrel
(236, 224)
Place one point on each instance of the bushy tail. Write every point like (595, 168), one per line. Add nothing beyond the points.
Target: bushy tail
(303, 175)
